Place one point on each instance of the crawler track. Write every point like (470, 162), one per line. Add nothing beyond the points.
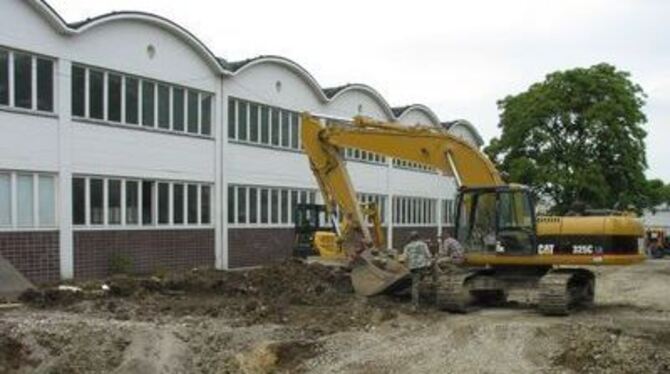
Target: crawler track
(452, 294)
(562, 290)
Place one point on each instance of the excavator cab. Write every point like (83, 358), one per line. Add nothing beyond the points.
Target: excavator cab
(496, 220)
(309, 229)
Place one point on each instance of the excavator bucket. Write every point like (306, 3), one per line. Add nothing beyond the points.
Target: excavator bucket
(373, 274)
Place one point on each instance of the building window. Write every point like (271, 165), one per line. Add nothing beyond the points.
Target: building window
(163, 203)
(265, 125)
(23, 80)
(284, 206)
(132, 100)
(232, 118)
(4, 77)
(114, 202)
(265, 206)
(285, 128)
(274, 206)
(256, 123)
(78, 91)
(231, 204)
(147, 202)
(79, 201)
(5, 200)
(414, 211)
(205, 205)
(193, 113)
(295, 131)
(163, 106)
(274, 130)
(359, 155)
(448, 212)
(96, 187)
(95, 94)
(114, 196)
(241, 205)
(178, 109)
(45, 85)
(27, 200)
(206, 115)
(132, 202)
(32, 81)
(253, 123)
(192, 196)
(242, 123)
(148, 103)
(403, 164)
(178, 204)
(253, 205)
(114, 98)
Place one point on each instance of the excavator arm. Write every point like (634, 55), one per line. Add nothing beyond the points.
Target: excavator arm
(324, 144)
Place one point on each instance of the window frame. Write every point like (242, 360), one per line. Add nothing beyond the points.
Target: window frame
(263, 214)
(35, 194)
(34, 82)
(139, 186)
(149, 118)
(271, 126)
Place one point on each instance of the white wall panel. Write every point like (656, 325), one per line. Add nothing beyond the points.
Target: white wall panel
(28, 142)
(98, 149)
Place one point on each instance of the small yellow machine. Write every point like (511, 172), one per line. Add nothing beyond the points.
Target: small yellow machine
(656, 242)
(506, 246)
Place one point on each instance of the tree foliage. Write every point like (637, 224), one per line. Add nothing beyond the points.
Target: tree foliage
(578, 136)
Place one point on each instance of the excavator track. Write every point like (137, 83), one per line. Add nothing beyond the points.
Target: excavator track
(452, 293)
(562, 290)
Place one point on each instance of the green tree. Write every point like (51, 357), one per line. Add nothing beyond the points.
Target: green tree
(576, 136)
(656, 193)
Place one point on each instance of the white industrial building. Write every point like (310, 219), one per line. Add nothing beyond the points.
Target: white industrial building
(124, 138)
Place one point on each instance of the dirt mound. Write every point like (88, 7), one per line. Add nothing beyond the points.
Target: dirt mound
(271, 357)
(597, 350)
(314, 296)
(13, 354)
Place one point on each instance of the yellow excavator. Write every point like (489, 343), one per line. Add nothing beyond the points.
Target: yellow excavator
(506, 246)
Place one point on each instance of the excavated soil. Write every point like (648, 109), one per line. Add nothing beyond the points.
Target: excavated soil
(293, 317)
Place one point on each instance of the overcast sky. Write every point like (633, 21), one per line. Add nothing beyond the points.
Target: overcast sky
(458, 57)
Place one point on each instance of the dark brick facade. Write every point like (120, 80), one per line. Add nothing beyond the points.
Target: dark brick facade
(252, 247)
(143, 251)
(34, 253)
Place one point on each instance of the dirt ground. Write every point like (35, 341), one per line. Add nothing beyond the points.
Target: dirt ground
(298, 318)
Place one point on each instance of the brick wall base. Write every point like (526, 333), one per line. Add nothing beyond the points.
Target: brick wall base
(35, 254)
(252, 247)
(97, 253)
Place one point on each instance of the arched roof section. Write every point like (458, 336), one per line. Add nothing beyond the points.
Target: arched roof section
(334, 92)
(468, 126)
(75, 28)
(326, 95)
(401, 112)
(237, 67)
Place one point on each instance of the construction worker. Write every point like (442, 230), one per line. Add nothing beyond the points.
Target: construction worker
(418, 260)
(451, 249)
